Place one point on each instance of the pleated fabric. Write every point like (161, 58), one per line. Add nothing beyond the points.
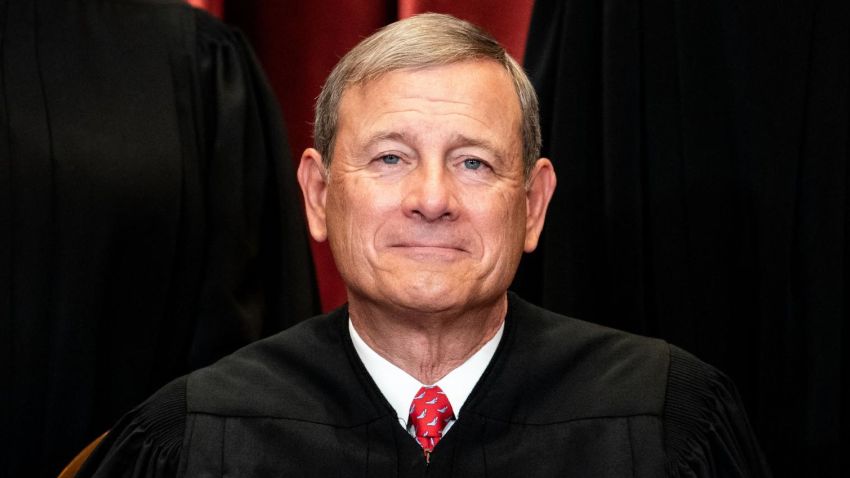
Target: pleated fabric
(149, 220)
(702, 158)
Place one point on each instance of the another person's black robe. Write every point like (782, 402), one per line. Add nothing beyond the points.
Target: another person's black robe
(150, 221)
(561, 397)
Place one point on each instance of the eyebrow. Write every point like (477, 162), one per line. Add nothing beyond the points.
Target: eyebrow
(457, 141)
(386, 136)
(464, 141)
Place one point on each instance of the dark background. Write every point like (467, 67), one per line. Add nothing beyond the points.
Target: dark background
(701, 149)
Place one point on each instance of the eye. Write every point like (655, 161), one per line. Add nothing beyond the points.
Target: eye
(472, 163)
(390, 159)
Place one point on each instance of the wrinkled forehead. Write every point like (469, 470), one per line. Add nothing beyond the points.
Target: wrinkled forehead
(490, 72)
(480, 90)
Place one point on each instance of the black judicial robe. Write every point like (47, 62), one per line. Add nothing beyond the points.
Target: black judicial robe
(150, 221)
(561, 397)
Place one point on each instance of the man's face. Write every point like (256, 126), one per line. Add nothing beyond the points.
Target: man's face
(425, 205)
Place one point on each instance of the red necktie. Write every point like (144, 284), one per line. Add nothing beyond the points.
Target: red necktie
(429, 413)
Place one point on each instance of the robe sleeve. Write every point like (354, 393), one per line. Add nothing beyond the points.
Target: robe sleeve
(707, 433)
(261, 280)
(146, 442)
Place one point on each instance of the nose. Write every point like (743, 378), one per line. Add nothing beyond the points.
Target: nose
(430, 193)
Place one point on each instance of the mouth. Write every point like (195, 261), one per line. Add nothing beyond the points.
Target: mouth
(428, 245)
(428, 251)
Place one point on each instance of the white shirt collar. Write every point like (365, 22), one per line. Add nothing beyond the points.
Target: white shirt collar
(398, 387)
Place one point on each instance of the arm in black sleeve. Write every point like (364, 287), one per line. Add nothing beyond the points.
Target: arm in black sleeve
(707, 433)
(259, 277)
(146, 442)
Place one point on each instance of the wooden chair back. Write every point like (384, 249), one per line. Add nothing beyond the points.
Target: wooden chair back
(70, 471)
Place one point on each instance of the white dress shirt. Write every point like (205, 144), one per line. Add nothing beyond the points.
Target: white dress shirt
(399, 388)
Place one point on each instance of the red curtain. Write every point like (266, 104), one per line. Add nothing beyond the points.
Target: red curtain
(216, 7)
(298, 43)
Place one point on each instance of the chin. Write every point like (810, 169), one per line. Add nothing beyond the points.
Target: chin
(424, 305)
(430, 296)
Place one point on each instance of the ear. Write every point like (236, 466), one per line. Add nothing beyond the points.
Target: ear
(541, 186)
(314, 186)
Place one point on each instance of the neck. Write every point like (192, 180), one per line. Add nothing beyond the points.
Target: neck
(426, 345)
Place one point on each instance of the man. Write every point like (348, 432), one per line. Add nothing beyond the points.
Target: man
(426, 181)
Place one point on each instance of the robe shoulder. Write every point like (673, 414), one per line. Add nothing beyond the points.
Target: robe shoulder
(146, 442)
(293, 375)
(553, 360)
(569, 370)
(706, 429)
(305, 373)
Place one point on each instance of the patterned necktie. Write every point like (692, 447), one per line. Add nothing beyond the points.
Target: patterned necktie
(429, 413)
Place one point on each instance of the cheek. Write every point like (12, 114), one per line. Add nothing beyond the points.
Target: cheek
(354, 215)
(500, 222)
(506, 213)
(339, 210)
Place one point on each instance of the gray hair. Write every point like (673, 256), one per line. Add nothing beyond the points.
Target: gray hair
(421, 41)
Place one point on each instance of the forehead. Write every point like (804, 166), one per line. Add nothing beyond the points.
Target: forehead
(476, 96)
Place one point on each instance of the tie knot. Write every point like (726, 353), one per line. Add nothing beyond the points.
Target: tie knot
(429, 413)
